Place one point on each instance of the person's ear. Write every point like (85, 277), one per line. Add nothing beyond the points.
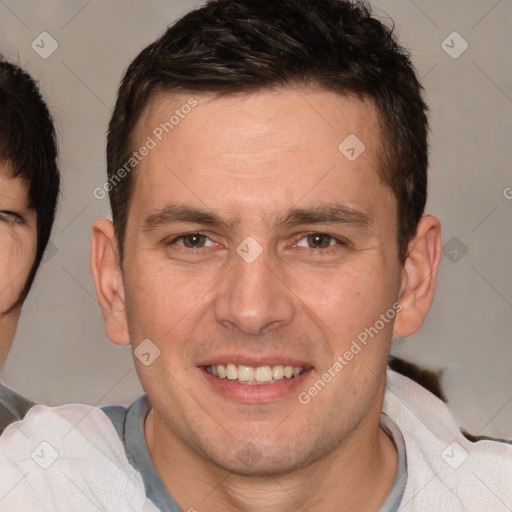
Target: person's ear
(419, 274)
(108, 281)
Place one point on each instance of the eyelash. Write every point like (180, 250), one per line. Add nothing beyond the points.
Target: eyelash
(325, 250)
(9, 216)
(328, 249)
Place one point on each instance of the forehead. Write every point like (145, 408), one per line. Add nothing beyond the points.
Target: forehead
(258, 149)
(14, 190)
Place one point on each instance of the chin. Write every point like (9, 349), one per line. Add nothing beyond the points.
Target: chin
(264, 458)
(251, 463)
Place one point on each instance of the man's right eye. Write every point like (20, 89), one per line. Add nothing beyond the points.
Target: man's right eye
(191, 241)
(8, 216)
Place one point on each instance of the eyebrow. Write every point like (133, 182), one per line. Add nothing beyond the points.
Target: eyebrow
(171, 214)
(329, 213)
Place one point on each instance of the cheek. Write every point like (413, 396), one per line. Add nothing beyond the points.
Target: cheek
(349, 298)
(162, 299)
(16, 259)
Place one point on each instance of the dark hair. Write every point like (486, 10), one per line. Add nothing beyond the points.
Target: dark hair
(232, 46)
(28, 146)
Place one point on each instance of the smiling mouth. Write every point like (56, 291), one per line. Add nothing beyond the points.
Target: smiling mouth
(254, 375)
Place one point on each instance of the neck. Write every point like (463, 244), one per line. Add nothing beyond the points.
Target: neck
(8, 324)
(357, 475)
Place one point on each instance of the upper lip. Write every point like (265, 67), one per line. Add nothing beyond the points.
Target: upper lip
(255, 361)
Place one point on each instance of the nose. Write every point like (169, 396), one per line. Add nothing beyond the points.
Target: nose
(253, 297)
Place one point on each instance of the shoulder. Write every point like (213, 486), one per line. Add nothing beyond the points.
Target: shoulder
(444, 469)
(56, 451)
(421, 389)
(75, 422)
(13, 406)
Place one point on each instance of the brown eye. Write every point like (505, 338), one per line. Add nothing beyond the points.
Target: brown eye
(194, 240)
(319, 240)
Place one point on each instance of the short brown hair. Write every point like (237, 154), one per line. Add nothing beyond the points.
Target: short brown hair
(233, 46)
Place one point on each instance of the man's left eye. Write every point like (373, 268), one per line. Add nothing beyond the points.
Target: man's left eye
(8, 216)
(318, 241)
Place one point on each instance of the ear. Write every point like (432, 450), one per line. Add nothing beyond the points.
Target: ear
(419, 277)
(108, 281)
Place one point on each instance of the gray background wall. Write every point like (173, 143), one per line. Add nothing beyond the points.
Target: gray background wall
(61, 353)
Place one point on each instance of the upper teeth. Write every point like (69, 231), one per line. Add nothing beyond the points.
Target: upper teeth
(250, 374)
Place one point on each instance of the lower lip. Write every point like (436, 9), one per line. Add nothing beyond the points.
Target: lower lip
(254, 394)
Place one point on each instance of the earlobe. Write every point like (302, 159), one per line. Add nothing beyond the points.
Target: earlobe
(419, 277)
(108, 281)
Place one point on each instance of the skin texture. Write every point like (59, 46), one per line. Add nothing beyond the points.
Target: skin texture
(250, 159)
(17, 248)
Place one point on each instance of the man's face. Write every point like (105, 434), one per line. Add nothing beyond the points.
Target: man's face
(17, 249)
(252, 240)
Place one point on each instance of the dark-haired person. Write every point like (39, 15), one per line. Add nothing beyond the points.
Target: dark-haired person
(29, 187)
(267, 168)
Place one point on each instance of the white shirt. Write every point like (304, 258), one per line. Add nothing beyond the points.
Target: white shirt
(445, 471)
(70, 458)
(67, 459)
